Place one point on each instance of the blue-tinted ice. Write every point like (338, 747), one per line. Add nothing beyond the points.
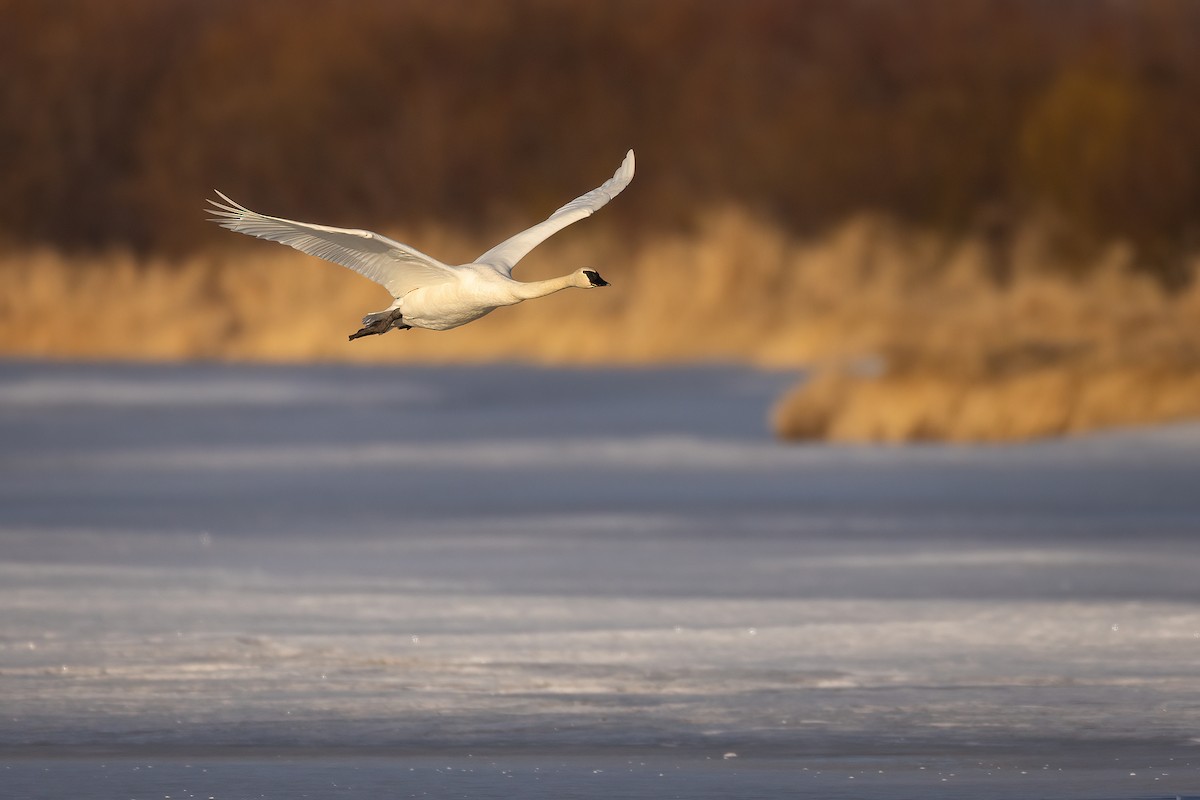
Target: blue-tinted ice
(356, 574)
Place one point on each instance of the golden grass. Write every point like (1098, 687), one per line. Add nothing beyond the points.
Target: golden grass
(961, 360)
(737, 289)
(955, 357)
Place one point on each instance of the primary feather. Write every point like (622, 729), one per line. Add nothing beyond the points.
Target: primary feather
(397, 267)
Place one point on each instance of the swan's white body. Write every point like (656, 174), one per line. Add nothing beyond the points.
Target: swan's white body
(428, 293)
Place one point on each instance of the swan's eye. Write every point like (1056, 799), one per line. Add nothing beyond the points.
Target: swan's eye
(594, 278)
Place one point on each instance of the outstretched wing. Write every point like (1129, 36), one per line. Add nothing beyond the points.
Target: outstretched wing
(506, 254)
(397, 267)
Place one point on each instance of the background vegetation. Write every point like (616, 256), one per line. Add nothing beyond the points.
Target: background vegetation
(819, 182)
(117, 116)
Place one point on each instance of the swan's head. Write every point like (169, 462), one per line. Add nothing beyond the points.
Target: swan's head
(588, 278)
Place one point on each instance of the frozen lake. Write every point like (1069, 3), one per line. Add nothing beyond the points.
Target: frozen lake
(232, 582)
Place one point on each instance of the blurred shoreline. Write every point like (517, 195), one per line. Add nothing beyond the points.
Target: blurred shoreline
(912, 335)
(973, 220)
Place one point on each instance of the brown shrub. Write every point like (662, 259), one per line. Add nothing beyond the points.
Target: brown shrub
(1062, 361)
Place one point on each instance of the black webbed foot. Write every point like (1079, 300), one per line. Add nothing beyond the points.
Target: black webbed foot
(381, 326)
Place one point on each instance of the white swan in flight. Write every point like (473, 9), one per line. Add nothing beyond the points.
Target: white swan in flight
(430, 294)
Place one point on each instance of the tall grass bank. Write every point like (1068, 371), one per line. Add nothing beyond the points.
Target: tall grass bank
(910, 335)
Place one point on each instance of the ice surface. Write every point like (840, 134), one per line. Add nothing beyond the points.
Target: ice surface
(497, 581)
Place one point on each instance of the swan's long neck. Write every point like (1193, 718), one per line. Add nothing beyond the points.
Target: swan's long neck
(528, 291)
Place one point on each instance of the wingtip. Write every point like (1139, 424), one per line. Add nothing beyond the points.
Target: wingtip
(229, 209)
(627, 166)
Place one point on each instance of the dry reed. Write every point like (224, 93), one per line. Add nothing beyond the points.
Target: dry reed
(961, 359)
(957, 357)
(737, 289)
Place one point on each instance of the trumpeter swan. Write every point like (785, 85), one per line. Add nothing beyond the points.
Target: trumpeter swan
(428, 293)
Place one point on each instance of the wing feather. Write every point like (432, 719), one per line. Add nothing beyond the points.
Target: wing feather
(395, 266)
(505, 255)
